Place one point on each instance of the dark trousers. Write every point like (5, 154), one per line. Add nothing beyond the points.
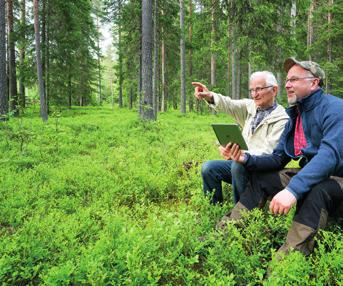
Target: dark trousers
(311, 210)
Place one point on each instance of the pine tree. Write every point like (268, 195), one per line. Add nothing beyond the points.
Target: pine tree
(147, 47)
(3, 79)
(43, 106)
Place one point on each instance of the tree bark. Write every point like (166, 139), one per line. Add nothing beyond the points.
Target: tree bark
(213, 42)
(228, 55)
(190, 38)
(3, 77)
(147, 46)
(43, 41)
(47, 55)
(310, 27)
(328, 85)
(43, 107)
(164, 100)
(139, 83)
(238, 75)
(120, 59)
(120, 96)
(131, 97)
(70, 101)
(155, 64)
(11, 59)
(293, 16)
(182, 59)
(98, 60)
(233, 65)
(22, 53)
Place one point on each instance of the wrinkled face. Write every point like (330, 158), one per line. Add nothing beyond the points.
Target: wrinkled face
(262, 94)
(299, 84)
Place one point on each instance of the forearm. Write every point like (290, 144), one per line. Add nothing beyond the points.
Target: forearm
(268, 162)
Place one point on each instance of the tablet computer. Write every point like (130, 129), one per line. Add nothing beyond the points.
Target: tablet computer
(229, 133)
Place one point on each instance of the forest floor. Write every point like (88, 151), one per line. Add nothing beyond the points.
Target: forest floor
(98, 197)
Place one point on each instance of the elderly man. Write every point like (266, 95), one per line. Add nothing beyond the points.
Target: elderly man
(262, 121)
(313, 135)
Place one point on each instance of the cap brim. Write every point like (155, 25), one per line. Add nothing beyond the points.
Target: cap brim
(289, 63)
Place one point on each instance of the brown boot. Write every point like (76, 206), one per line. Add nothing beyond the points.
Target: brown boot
(299, 237)
(234, 215)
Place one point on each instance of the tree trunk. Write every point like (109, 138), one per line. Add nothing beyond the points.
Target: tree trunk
(47, 56)
(43, 41)
(190, 38)
(182, 59)
(164, 103)
(139, 84)
(249, 74)
(147, 46)
(238, 75)
(3, 77)
(293, 16)
(131, 97)
(213, 43)
(43, 107)
(112, 93)
(22, 53)
(279, 80)
(120, 61)
(98, 60)
(328, 85)
(11, 59)
(70, 102)
(233, 64)
(229, 52)
(310, 27)
(279, 59)
(155, 64)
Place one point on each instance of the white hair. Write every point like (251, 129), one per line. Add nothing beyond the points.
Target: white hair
(269, 76)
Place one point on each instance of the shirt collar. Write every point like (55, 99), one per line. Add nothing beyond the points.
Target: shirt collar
(269, 108)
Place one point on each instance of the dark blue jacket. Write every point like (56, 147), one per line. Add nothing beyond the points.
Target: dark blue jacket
(322, 119)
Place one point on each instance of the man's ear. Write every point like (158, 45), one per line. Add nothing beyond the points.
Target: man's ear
(275, 89)
(315, 83)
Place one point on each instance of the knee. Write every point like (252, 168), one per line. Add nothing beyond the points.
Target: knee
(315, 198)
(206, 168)
(237, 169)
(320, 192)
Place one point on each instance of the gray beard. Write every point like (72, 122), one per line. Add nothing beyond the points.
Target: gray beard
(292, 101)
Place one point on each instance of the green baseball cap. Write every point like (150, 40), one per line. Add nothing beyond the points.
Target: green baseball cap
(312, 67)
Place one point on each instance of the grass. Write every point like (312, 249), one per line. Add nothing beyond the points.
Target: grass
(98, 197)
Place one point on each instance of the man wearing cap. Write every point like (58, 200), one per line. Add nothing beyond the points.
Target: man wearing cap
(313, 135)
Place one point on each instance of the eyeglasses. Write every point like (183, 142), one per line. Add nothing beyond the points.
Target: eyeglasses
(258, 89)
(295, 79)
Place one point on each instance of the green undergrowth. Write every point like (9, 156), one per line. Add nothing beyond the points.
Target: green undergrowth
(98, 197)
